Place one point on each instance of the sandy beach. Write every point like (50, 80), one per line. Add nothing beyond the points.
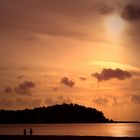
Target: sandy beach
(8, 137)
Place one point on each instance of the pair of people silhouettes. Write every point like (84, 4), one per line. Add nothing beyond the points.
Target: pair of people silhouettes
(30, 131)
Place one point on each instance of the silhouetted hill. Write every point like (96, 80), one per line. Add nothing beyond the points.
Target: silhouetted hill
(54, 114)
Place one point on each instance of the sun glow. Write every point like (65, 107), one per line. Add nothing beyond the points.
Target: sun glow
(115, 25)
(114, 65)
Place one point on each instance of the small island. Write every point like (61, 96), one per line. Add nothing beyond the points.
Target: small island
(65, 113)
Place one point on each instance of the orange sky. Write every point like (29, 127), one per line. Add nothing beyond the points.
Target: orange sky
(74, 51)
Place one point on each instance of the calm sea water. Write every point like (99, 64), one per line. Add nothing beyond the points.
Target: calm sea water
(117, 130)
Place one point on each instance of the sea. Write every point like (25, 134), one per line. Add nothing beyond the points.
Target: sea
(96, 129)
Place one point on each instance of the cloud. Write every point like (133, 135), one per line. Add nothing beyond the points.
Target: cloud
(25, 88)
(36, 102)
(82, 78)
(15, 15)
(131, 12)
(68, 82)
(121, 100)
(112, 100)
(68, 12)
(28, 102)
(58, 100)
(6, 102)
(55, 89)
(20, 102)
(8, 89)
(50, 102)
(10, 68)
(135, 99)
(101, 101)
(63, 99)
(104, 8)
(108, 74)
(20, 76)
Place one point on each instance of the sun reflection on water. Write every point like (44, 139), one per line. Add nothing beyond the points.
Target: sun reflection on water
(122, 130)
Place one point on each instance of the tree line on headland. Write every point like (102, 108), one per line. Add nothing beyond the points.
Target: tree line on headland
(65, 113)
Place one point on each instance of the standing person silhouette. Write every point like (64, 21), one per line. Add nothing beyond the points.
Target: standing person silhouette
(31, 131)
(24, 132)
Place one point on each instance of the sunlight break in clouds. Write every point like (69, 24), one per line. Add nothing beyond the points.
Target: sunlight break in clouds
(115, 25)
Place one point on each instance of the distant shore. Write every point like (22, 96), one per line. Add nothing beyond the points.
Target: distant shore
(18, 137)
(125, 122)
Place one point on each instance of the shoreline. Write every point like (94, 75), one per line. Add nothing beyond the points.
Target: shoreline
(54, 137)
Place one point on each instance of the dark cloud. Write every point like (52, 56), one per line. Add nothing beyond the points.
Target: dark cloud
(8, 89)
(55, 89)
(68, 82)
(25, 88)
(131, 12)
(135, 99)
(82, 78)
(108, 74)
(20, 76)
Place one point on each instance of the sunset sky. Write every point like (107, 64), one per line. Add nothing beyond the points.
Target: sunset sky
(71, 51)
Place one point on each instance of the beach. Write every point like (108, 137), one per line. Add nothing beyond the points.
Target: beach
(35, 137)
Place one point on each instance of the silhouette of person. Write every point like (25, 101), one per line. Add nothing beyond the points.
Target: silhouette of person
(24, 132)
(31, 131)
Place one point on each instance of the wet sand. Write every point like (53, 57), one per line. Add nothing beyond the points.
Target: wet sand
(8, 137)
